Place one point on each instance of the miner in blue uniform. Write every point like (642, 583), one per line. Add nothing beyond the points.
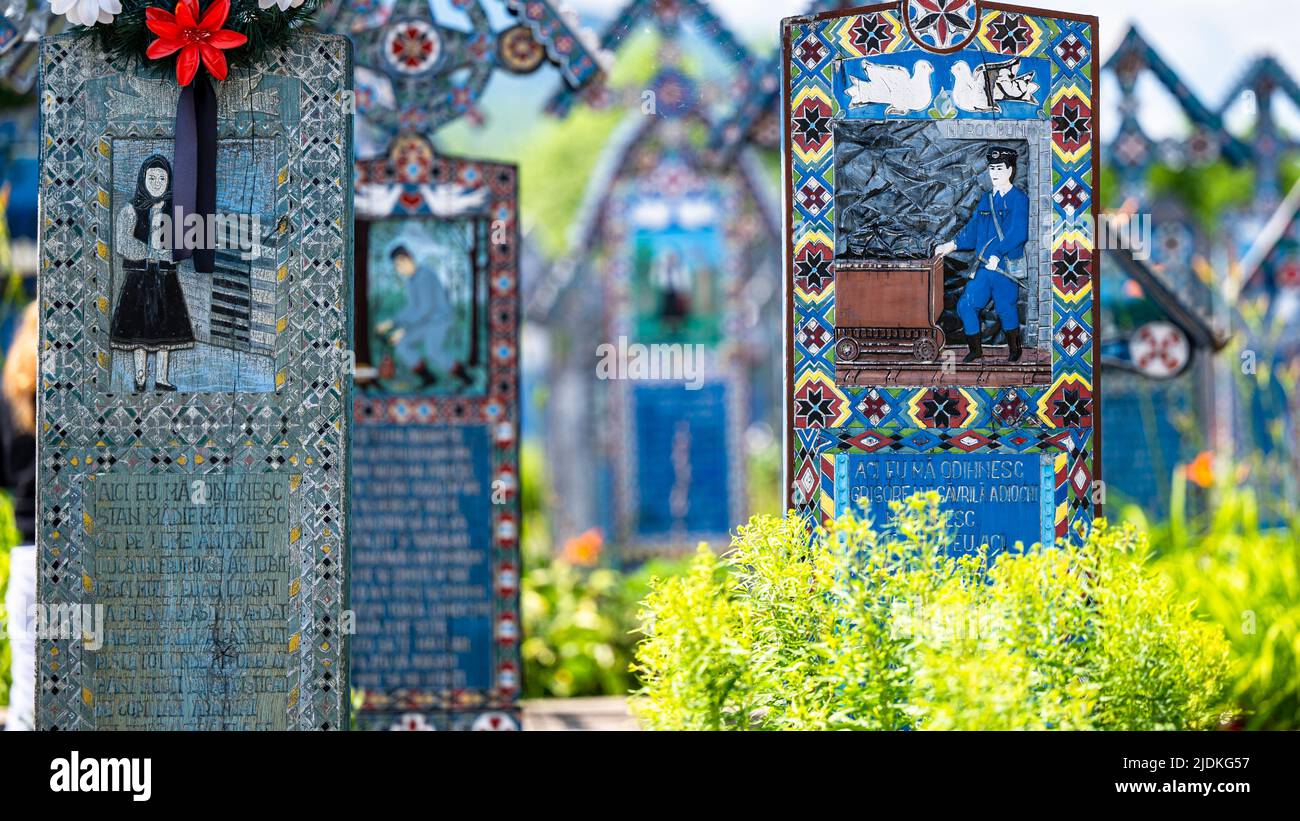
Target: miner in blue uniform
(997, 233)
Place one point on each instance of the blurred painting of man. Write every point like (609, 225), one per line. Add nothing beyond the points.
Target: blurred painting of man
(421, 332)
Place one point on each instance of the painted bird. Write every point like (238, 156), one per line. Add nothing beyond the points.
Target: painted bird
(969, 91)
(982, 89)
(894, 87)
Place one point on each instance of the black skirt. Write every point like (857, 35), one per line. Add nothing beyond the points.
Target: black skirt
(151, 311)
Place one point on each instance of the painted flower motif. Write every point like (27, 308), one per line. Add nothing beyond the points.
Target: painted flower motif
(282, 5)
(87, 12)
(197, 39)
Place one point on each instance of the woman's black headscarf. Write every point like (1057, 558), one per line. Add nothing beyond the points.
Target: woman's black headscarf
(143, 200)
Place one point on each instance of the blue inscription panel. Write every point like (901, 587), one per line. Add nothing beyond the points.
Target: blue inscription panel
(682, 474)
(991, 499)
(422, 557)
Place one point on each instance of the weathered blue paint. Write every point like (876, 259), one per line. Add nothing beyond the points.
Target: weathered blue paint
(992, 499)
(422, 561)
(683, 481)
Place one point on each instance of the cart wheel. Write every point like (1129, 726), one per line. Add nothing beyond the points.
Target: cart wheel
(847, 349)
(925, 350)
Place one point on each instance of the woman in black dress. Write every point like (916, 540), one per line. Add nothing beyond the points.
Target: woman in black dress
(151, 315)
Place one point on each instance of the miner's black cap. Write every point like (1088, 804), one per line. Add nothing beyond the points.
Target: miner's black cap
(1006, 156)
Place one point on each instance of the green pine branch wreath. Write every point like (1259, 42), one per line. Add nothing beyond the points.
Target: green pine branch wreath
(126, 38)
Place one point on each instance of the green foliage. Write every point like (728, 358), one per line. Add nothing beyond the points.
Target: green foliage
(866, 628)
(1205, 190)
(560, 156)
(1246, 578)
(763, 472)
(9, 536)
(579, 627)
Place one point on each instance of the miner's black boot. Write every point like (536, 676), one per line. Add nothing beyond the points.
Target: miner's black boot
(976, 348)
(1013, 342)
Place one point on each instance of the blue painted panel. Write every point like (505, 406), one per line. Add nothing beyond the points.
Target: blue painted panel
(952, 80)
(992, 499)
(422, 557)
(682, 472)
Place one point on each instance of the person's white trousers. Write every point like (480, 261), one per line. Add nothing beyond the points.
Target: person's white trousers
(20, 602)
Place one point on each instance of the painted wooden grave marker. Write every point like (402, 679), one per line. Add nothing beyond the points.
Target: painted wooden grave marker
(193, 503)
(942, 312)
(435, 562)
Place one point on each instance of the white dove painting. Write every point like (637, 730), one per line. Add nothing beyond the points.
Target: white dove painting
(968, 90)
(982, 89)
(893, 86)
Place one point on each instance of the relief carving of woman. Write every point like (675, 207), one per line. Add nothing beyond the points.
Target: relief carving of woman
(151, 315)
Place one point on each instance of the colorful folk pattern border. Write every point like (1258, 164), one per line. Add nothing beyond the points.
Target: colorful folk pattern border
(404, 184)
(921, 419)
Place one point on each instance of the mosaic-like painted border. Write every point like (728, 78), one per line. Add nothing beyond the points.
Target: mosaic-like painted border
(406, 177)
(811, 48)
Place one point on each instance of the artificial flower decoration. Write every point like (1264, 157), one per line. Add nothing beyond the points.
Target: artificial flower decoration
(87, 12)
(197, 39)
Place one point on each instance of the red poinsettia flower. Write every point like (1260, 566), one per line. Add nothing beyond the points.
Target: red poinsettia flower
(196, 39)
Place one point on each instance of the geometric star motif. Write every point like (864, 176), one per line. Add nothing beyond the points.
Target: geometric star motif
(943, 408)
(1071, 265)
(1072, 51)
(810, 51)
(1072, 337)
(815, 406)
(1071, 126)
(813, 196)
(871, 34)
(812, 267)
(813, 336)
(1071, 407)
(810, 124)
(1010, 34)
(874, 407)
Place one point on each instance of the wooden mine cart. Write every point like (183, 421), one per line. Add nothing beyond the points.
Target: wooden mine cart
(888, 307)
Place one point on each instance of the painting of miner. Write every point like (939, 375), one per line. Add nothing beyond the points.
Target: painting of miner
(997, 234)
(427, 306)
(151, 315)
(938, 277)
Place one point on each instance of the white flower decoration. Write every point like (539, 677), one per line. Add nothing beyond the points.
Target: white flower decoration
(283, 5)
(87, 12)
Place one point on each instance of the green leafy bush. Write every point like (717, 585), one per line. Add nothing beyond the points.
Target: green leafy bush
(580, 627)
(9, 537)
(1247, 579)
(863, 628)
